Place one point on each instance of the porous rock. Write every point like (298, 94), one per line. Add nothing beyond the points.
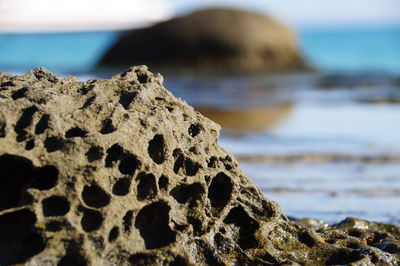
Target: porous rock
(217, 38)
(120, 172)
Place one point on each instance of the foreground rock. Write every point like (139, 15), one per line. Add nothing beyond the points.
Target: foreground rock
(118, 172)
(224, 39)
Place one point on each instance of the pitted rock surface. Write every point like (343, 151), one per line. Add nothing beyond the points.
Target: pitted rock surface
(120, 172)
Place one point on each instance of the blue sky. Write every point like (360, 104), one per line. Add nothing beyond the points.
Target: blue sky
(313, 12)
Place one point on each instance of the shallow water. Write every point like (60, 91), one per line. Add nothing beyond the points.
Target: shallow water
(319, 145)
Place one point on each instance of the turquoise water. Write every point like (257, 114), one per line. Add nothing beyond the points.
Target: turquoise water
(375, 49)
(356, 50)
(61, 52)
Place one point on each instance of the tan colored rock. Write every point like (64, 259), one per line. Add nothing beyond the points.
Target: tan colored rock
(120, 172)
(217, 38)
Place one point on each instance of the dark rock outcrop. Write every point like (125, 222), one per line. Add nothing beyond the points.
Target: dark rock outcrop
(223, 39)
(119, 172)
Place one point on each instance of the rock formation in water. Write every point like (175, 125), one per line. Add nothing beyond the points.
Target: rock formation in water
(119, 172)
(224, 39)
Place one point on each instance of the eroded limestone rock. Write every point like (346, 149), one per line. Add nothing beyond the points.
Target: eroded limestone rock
(119, 172)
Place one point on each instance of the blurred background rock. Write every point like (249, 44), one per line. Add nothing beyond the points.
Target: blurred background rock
(212, 39)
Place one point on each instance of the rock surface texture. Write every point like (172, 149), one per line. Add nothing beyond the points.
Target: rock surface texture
(225, 39)
(119, 172)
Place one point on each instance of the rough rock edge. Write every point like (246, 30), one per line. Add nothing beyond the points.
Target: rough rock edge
(117, 172)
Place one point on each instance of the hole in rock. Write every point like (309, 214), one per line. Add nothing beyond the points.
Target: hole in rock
(29, 145)
(391, 248)
(95, 153)
(143, 259)
(127, 221)
(228, 167)
(343, 257)
(179, 163)
(24, 121)
(180, 227)
(126, 98)
(73, 257)
(377, 238)
(190, 168)
(188, 193)
(7, 84)
(353, 245)
(113, 155)
(152, 222)
(375, 260)
(194, 130)
(19, 240)
(107, 127)
(147, 186)
(45, 178)
(157, 149)
(220, 191)
(222, 243)
(355, 232)
(42, 125)
(53, 144)
(56, 226)
(113, 235)
(55, 206)
(306, 238)
(3, 126)
(197, 226)
(94, 196)
(143, 78)
(178, 261)
(88, 102)
(247, 226)
(21, 93)
(72, 260)
(128, 164)
(176, 153)
(228, 162)
(163, 183)
(76, 132)
(269, 259)
(17, 174)
(212, 162)
(85, 89)
(194, 150)
(91, 220)
(207, 253)
(121, 187)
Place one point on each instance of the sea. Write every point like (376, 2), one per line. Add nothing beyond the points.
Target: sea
(325, 145)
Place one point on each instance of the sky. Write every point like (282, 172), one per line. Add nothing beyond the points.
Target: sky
(309, 13)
